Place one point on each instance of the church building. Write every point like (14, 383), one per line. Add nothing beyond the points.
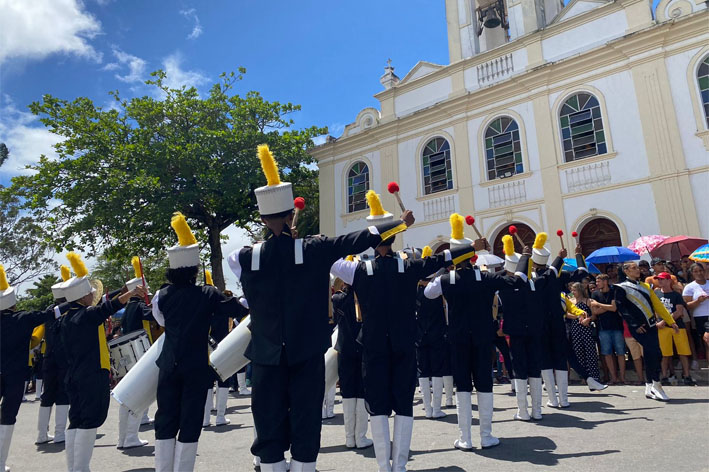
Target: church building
(591, 117)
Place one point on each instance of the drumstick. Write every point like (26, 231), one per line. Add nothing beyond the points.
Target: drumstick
(299, 204)
(393, 188)
(560, 233)
(513, 231)
(145, 286)
(471, 221)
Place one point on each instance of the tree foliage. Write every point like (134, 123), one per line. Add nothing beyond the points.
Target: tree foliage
(122, 172)
(39, 297)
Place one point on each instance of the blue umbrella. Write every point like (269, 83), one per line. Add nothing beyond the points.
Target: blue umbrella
(612, 255)
(570, 265)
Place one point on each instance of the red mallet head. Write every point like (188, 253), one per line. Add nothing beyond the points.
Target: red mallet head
(512, 229)
(469, 220)
(559, 233)
(474, 259)
(299, 203)
(574, 234)
(393, 187)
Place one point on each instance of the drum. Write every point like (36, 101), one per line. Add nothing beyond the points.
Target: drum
(331, 374)
(228, 358)
(139, 388)
(126, 350)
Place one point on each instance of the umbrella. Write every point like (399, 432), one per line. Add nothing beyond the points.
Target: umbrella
(701, 254)
(611, 255)
(646, 243)
(489, 260)
(672, 249)
(570, 265)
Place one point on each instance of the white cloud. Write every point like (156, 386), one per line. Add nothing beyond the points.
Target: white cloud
(38, 28)
(25, 137)
(177, 77)
(136, 66)
(238, 238)
(191, 14)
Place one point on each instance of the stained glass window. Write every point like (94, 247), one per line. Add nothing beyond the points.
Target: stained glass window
(503, 151)
(582, 127)
(357, 186)
(703, 79)
(437, 171)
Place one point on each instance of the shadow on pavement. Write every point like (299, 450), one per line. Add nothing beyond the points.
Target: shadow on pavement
(145, 451)
(225, 428)
(561, 420)
(336, 420)
(603, 407)
(50, 448)
(687, 401)
(533, 449)
(368, 452)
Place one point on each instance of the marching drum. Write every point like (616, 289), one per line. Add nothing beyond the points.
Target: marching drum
(228, 357)
(331, 374)
(139, 388)
(126, 350)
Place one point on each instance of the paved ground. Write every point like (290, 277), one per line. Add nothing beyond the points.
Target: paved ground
(617, 429)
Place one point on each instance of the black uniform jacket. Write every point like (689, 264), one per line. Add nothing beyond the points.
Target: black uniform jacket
(188, 310)
(54, 354)
(525, 309)
(430, 320)
(15, 332)
(219, 326)
(289, 301)
(470, 304)
(562, 281)
(84, 338)
(348, 328)
(137, 316)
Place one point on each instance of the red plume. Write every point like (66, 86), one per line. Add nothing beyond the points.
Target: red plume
(574, 234)
(393, 187)
(470, 220)
(299, 203)
(559, 233)
(512, 229)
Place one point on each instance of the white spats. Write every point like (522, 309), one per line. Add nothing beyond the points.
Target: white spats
(83, 449)
(550, 385)
(6, 431)
(401, 442)
(485, 408)
(465, 418)
(61, 414)
(208, 404)
(361, 425)
(562, 382)
(448, 386)
(164, 455)
(349, 408)
(185, 455)
(437, 397)
(382, 445)
(535, 391)
(521, 394)
(425, 386)
(222, 397)
(45, 412)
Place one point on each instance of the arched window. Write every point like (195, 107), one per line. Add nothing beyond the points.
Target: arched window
(582, 127)
(525, 232)
(437, 171)
(598, 233)
(503, 151)
(703, 79)
(357, 186)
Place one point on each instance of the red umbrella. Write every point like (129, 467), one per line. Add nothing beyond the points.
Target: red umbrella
(672, 249)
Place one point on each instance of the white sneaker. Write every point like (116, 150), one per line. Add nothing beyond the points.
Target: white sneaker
(594, 384)
(658, 393)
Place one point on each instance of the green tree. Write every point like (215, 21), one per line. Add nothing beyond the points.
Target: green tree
(121, 173)
(40, 295)
(113, 273)
(4, 153)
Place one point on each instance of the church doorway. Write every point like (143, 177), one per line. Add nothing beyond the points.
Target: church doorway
(598, 233)
(525, 232)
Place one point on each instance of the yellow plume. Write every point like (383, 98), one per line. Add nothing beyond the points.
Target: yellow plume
(136, 267)
(508, 245)
(457, 226)
(426, 252)
(350, 258)
(208, 277)
(4, 285)
(184, 233)
(66, 272)
(375, 205)
(268, 164)
(540, 241)
(77, 264)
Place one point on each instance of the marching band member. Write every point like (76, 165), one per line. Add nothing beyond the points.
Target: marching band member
(386, 290)
(185, 310)
(137, 316)
(88, 360)
(349, 366)
(640, 307)
(54, 366)
(290, 332)
(431, 349)
(469, 294)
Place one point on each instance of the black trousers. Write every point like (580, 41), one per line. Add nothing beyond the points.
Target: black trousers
(525, 353)
(286, 401)
(390, 381)
(554, 346)
(54, 390)
(500, 342)
(37, 367)
(651, 352)
(89, 396)
(475, 359)
(433, 360)
(12, 386)
(181, 398)
(349, 370)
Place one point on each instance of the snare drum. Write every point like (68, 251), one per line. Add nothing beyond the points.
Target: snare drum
(126, 350)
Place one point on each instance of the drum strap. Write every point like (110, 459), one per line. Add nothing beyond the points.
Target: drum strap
(256, 257)
(452, 276)
(400, 261)
(298, 251)
(478, 277)
(369, 267)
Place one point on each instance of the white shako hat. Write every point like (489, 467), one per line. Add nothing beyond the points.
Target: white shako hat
(58, 289)
(540, 254)
(8, 296)
(458, 238)
(79, 286)
(276, 196)
(138, 279)
(186, 252)
(377, 213)
(511, 257)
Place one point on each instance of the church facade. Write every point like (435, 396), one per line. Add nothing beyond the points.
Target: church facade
(591, 117)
